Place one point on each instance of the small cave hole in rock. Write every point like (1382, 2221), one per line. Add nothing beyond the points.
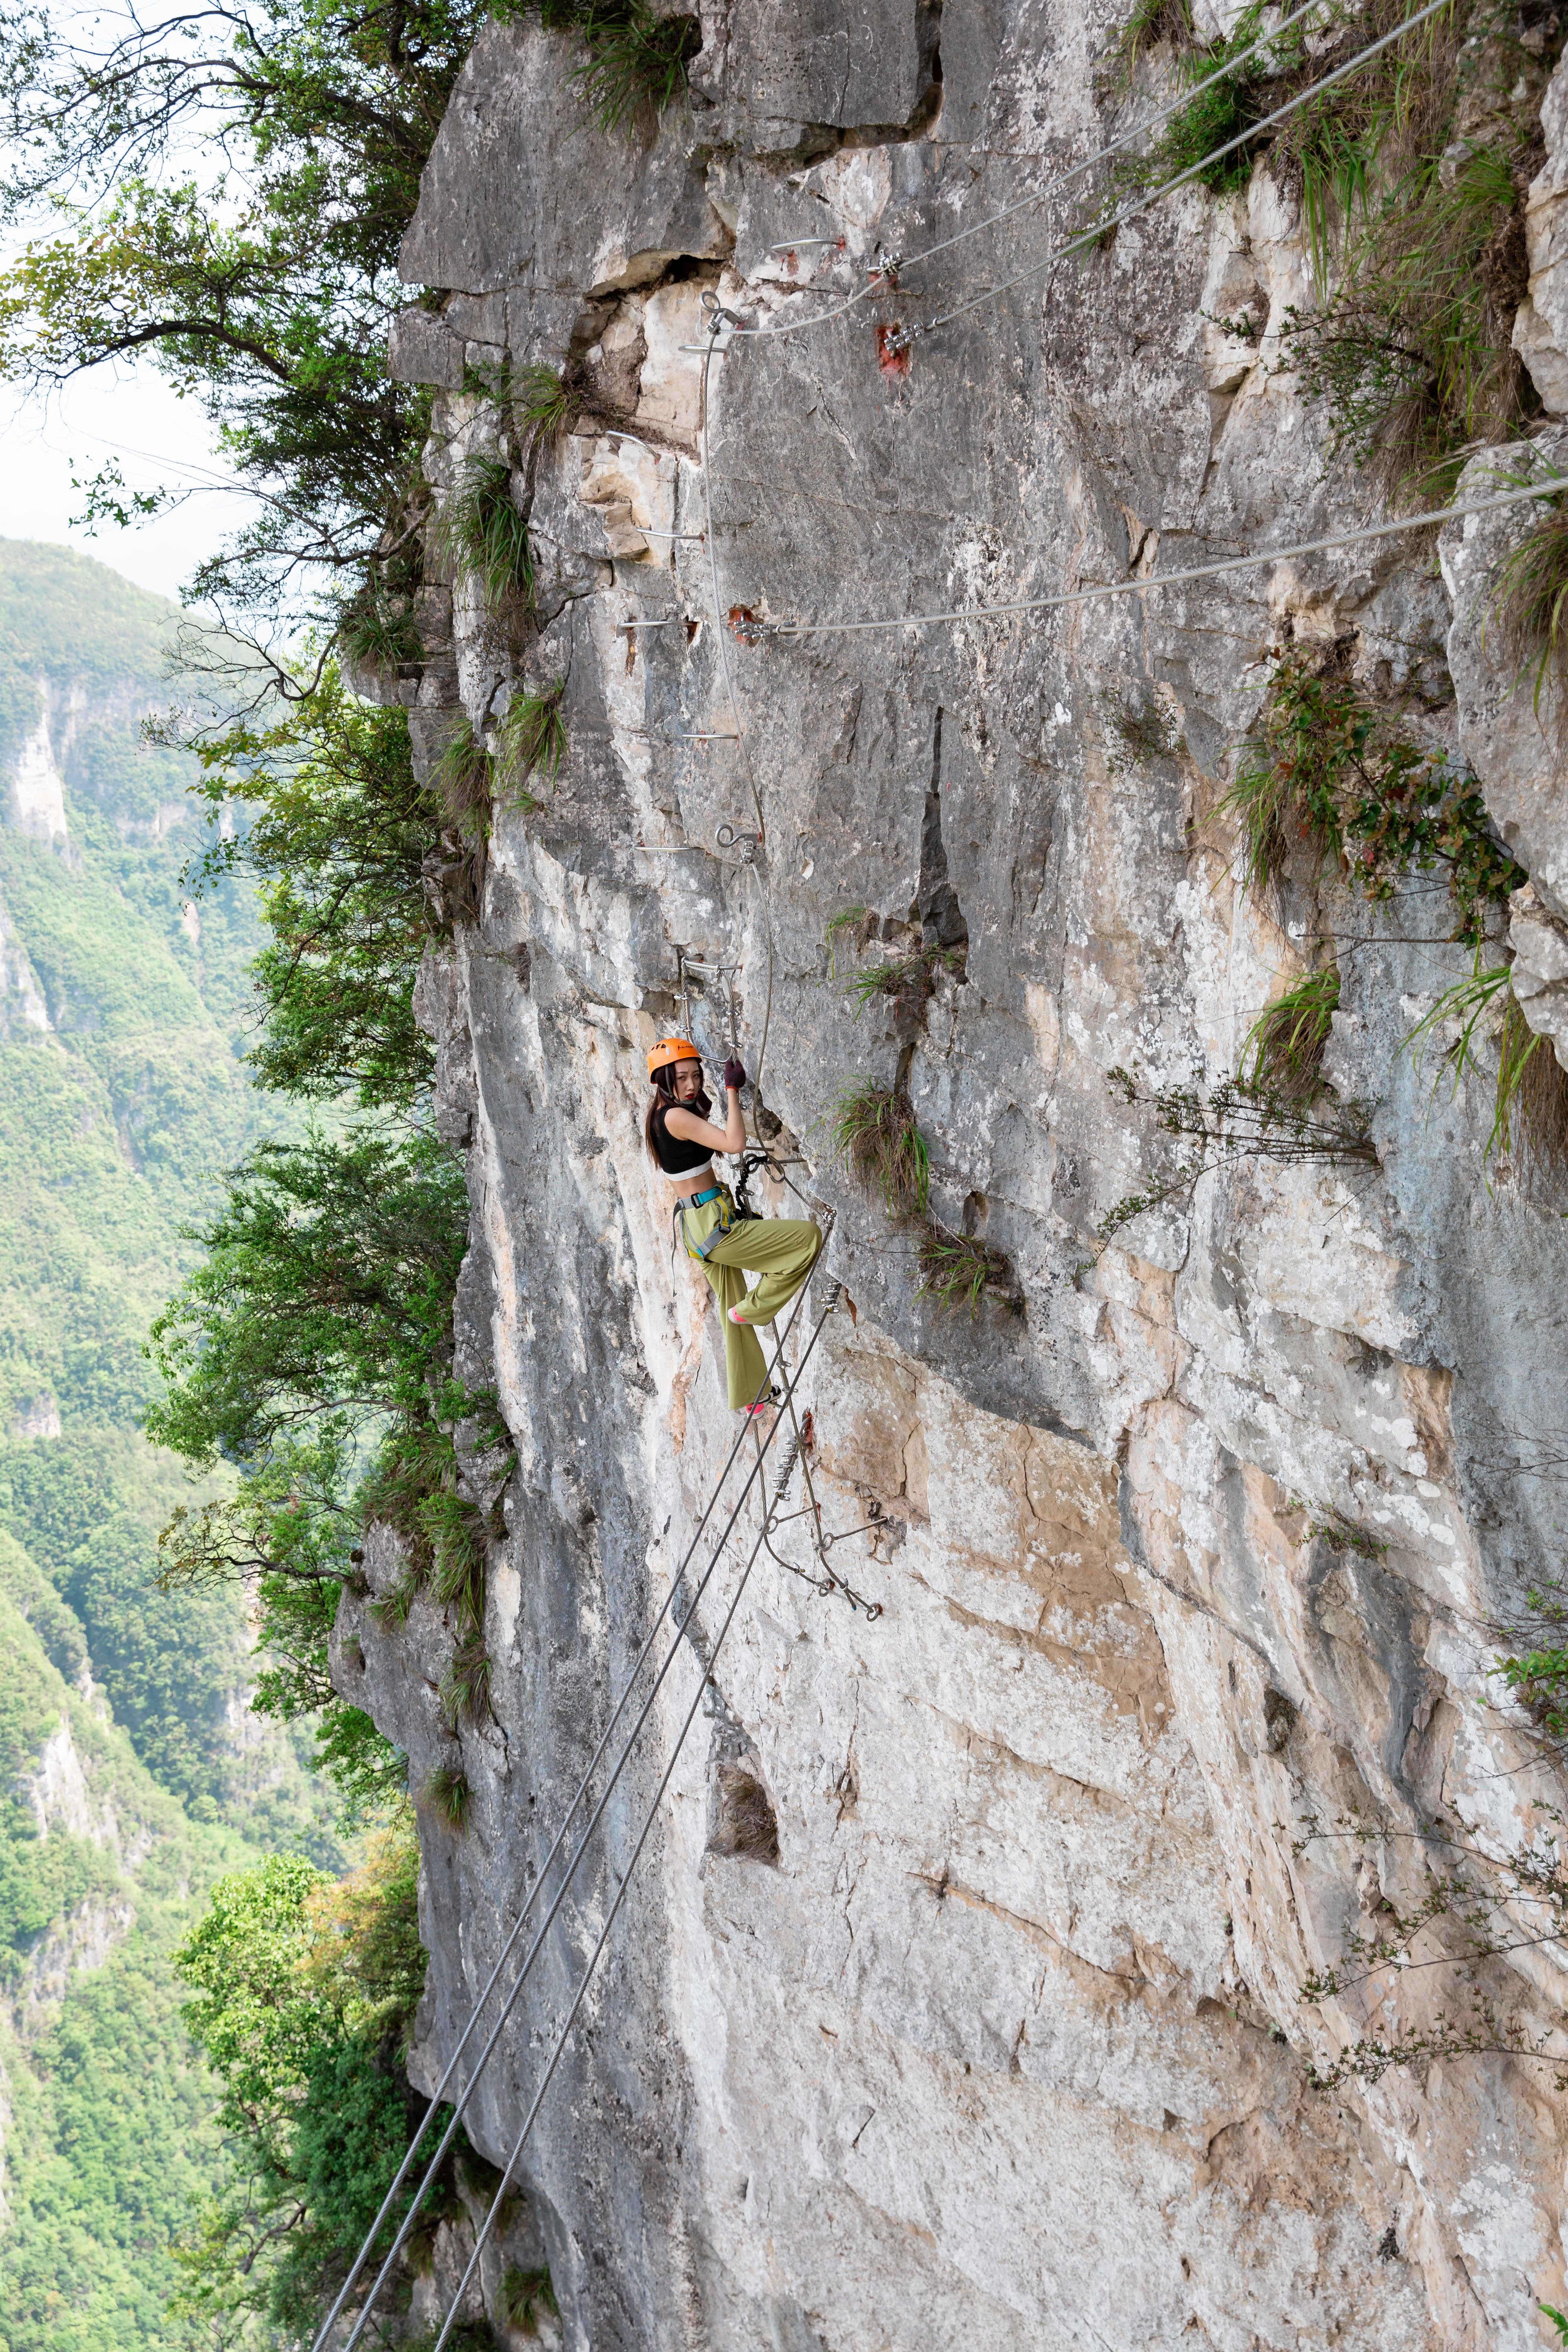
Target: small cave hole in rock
(744, 1822)
(1280, 1717)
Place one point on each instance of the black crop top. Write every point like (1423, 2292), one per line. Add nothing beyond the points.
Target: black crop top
(677, 1155)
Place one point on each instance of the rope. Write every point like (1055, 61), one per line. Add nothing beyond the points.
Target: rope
(903, 337)
(1167, 579)
(1009, 212)
(482, 2237)
(716, 321)
(507, 1949)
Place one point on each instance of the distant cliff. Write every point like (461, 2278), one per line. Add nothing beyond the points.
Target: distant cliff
(131, 1772)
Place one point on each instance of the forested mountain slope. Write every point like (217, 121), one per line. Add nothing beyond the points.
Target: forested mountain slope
(132, 1771)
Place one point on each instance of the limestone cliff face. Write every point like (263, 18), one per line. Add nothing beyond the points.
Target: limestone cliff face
(1193, 1557)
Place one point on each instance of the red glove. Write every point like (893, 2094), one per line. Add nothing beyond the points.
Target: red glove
(734, 1074)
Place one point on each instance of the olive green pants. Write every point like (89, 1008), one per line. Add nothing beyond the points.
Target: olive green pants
(782, 1250)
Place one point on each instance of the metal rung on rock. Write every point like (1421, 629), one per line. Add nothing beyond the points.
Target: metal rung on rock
(789, 1454)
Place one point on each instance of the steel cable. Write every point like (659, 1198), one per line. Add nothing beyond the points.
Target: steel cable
(482, 2237)
(511, 1944)
(704, 459)
(900, 339)
(1137, 587)
(1038, 197)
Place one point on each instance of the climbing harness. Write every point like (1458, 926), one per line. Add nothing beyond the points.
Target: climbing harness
(731, 1214)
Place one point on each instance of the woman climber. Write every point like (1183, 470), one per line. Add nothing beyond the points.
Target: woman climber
(682, 1139)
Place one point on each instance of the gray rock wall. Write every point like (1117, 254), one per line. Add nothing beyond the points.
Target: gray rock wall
(1181, 1569)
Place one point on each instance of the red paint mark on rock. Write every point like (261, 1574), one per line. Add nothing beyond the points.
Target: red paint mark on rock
(889, 358)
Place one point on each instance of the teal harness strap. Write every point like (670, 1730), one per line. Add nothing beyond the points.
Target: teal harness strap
(728, 1219)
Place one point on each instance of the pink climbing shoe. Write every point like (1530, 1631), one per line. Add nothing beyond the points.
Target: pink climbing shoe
(736, 1316)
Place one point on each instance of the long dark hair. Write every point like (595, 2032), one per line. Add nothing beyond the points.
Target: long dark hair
(663, 1100)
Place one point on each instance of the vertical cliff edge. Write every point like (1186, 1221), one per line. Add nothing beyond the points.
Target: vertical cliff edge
(1191, 1544)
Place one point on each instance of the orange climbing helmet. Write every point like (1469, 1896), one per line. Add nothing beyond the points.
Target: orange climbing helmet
(668, 1050)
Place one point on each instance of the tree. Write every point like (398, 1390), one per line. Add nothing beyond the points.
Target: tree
(336, 829)
(265, 290)
(304, 1994)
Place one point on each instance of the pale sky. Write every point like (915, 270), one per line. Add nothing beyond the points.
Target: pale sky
(131, 414)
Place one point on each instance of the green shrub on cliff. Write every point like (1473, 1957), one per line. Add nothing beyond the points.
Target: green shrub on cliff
(1328, 770)
(304, 1993)
(336, 829)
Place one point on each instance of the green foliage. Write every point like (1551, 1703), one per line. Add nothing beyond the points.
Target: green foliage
(876, 1134)
(1529, 1088)
(1530, 591)
(909, 979)
(112, 2139)
(1468, 1912)
(1212, 117)
(1414, 176)
(486, 531)
(1150, 22)
(448, 1796)
(115, 1125)
(463, 781)
(305, 1992)
(546, 398)
(638, 59)
(523, 2295)
(267, 296)
(959, 1270)
(377, 625)
(464, 1692)
(1282, 1053)
(288, 1536)
(337, 829)
(311, 1329)
(848, 919)
(1559, 2320)
(1232, 1124)
(1325, 767)
(1411, 173)
(324, 1294)
(110, 2130)
(1411, 356)
(42, 1879)
(1340, 1533)
(530, 738)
